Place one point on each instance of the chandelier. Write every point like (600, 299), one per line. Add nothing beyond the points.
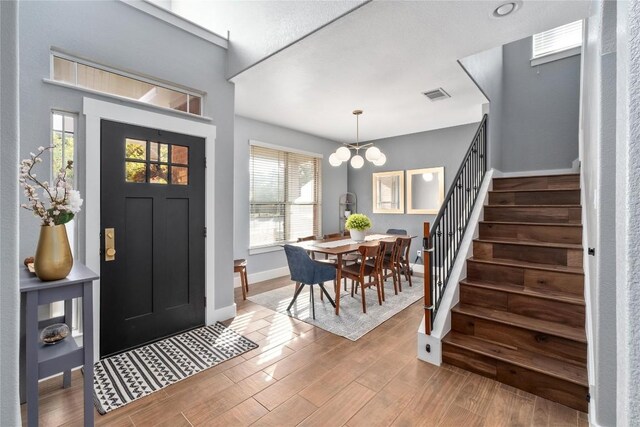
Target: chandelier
(343, 154)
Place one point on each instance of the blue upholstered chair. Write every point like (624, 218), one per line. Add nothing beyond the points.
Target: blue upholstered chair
(308, 272)
(397, 231)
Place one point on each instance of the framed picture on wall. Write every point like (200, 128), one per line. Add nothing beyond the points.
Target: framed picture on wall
(388, 192)
(425, 190)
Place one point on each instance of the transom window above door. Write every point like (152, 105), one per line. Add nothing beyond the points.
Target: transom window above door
(156, 162)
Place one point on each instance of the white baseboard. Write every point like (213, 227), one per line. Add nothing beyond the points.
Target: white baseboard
(543, 172)
(261, 276)
(219, 314)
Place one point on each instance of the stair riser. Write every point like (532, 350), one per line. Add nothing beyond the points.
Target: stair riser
(519, 338)
(569, 197)
(538, 279)
(532, 233)
(537, 183)
(542, 255)
(563, 392)
(557, 215)
(538, 308)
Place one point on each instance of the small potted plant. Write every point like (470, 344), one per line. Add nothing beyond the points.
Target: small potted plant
(357, 224)
(59, 204)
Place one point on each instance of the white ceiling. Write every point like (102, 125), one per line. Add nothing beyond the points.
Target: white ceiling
(380, 58)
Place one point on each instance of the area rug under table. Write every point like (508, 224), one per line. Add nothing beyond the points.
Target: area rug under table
(128, 376)
(352, 323)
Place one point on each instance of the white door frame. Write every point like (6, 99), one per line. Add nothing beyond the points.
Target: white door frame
(94, 111)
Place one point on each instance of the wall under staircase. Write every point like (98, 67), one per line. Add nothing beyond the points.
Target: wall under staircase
(521, 313)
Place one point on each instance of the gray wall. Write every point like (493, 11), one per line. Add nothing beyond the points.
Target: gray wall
(597, 155)
(9, 145)
(441, 147)
(540, 110)
(486, 69)
(123, 37)
(628, 213)
(334, 183)
(533, 119)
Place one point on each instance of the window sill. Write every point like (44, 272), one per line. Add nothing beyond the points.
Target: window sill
(556, 56)
(265, 249)
(129, 100)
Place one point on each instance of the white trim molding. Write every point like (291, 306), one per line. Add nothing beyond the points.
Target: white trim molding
(94, 111)
(178, 21)
(256, 143)
(442, 323)
(261, 276)
(556, 56)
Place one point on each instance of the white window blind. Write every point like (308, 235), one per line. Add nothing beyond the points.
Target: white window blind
(284, 196)
(557, 40)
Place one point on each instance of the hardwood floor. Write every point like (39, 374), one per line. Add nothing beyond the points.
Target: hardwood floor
(303, 375)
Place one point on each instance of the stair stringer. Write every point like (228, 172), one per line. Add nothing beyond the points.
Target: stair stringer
(442, 323)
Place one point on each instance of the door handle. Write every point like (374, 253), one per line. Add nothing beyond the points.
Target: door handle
(109, 244)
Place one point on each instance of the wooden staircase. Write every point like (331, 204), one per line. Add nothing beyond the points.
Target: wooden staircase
(521, 316)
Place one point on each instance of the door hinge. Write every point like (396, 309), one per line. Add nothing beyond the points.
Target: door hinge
(205, 232)
(591, 251)
(205, 162)
(205, 301)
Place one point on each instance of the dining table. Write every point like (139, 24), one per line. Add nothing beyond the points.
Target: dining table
(341, 246)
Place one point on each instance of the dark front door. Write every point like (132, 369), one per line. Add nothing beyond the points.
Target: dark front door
(152, 215)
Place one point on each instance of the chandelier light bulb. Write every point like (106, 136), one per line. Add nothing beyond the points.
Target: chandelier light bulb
(427, 177)
(373, 153)
(343, 154)
(357, 161)
(381, 160)
(334, 160)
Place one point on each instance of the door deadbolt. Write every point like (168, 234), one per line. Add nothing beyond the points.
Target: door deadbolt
(109, 244)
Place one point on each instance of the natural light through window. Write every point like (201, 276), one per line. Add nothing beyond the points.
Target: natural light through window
(560, 39)
(284, 196)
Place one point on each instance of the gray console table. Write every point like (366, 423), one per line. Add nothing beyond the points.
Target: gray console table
(38, 360)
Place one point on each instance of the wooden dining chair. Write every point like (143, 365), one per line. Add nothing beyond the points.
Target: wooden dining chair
(362, 269)
(391, 251)
(346, 259)
(402, 263)
(240, 266)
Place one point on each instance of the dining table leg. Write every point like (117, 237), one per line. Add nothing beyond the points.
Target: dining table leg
(338, 280)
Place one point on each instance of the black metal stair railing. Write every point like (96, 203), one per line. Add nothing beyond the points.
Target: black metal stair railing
(445, 236)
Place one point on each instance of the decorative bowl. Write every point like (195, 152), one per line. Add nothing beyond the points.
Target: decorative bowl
(55, 333)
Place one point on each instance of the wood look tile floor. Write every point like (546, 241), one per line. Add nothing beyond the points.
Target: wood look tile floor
(303, 375)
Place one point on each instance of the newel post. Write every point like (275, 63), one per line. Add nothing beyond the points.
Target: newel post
(428, 303)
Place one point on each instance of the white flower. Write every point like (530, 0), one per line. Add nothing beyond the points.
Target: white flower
(57, 194)
(74, 201)
(41, 148)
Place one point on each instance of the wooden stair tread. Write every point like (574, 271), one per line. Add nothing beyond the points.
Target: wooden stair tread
(529, 360)
(523, 242)
(541, 224)
(531, 265)
(533, 206)
(525, 322)
(536, 176)
(530, 292)
(539, 190)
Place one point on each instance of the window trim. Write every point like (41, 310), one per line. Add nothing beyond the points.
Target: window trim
(275, 247)
(60, 53)
(558, 54)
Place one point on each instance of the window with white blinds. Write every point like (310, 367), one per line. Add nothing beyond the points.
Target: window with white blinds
(284, 196)
(557, 40)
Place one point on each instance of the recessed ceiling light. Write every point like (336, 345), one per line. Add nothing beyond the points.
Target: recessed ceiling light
(504, 9)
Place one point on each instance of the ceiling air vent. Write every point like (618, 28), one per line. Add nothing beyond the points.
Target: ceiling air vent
(436, 94)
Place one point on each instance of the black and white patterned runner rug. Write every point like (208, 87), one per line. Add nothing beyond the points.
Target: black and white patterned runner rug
(126, 377)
